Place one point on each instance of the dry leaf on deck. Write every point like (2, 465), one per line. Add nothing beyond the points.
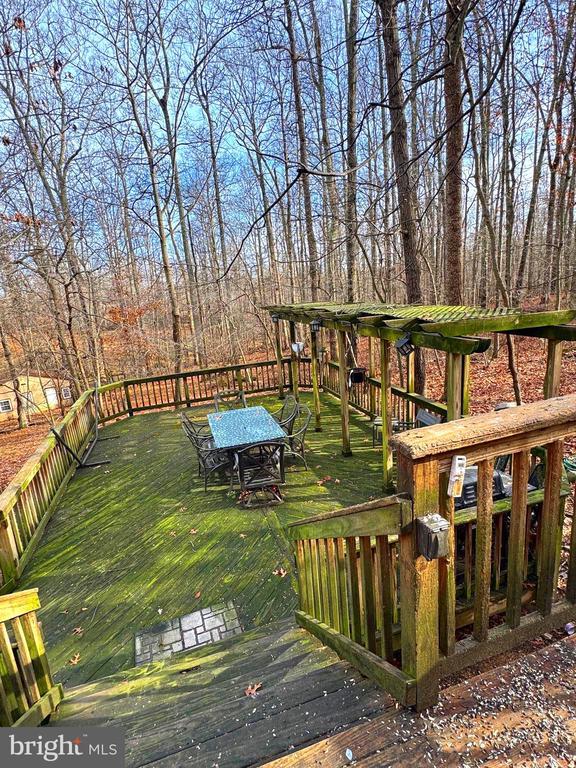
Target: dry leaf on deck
(78, 631)
(74, 660)
(280, 572)
(252, 689)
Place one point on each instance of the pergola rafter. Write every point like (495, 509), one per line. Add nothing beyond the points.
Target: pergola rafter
(454, 330)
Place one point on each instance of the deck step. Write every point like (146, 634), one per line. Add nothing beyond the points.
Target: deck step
(521, 713)
(192, 708)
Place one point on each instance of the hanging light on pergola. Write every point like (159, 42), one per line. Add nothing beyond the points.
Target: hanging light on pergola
(315, 325)
(404, 345)
(275, 318)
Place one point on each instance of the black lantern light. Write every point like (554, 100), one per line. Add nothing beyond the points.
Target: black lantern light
(404, 345)
(315, 325)
(274, 318)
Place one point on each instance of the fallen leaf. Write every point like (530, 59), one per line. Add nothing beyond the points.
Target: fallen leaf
(242, 535)
(78, 631)
(280, 572)
(337, 482)
(84, 609)
(193, 531)
(172, 533)
(74, 660)
(198, 595)
(160, 611)
(252, 689)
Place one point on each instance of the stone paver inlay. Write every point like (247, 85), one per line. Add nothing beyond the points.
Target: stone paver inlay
(207, 625)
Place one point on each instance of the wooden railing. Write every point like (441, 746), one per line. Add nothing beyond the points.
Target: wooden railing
(531, 604)
(367, 592)
(366, 397)
(28, 695)
(28, 502)
(125, 398)
(347, 583)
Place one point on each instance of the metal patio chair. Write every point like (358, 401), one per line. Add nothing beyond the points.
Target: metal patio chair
(286, 415)
(199, 435)
(212, 460)
(260, 470)
(296, 441)
(229, 400)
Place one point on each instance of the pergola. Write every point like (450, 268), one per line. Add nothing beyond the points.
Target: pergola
(450, 329)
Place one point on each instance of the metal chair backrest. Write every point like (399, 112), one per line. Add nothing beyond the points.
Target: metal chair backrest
(194, 432)
(261, 465)
(288, 407)
(301, 421)
(228, 401)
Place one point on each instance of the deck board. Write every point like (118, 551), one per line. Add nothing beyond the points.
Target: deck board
(193, 709)
(120, 547)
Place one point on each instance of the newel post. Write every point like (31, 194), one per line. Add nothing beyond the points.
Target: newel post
(419, 583)
(8, 552)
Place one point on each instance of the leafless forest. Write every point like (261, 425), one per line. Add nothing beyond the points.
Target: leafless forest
(169, 166)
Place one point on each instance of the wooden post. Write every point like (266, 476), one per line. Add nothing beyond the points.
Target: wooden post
(465, 385)
(278, 349)
(343, 387)
(454, 385)
(8, 552)
(293, 359)
(371, 373)
(553, 368)
(315, 379)
(410, 384)
(419, 584)
(386, 414)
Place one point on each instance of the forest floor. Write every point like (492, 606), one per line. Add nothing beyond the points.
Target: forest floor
(491, 383)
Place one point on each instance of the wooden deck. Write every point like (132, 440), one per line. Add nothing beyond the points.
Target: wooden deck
(119, 554)
(193, 709)
(314, 711)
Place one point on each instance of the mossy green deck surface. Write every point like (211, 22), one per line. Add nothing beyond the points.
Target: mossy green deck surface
(119, 555)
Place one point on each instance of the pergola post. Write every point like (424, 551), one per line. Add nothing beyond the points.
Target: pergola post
(278, 348)
(315, 379)
(371, 373)
(293, 359)
(386, 413)
(465, 385)
(553, 368)
(410, 384)
(343, 387)
(454, 370)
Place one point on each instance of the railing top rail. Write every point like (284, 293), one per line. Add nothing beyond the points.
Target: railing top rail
(387, 501)
(18, 603)
(383, 516)
(531, 425)
(201, 372)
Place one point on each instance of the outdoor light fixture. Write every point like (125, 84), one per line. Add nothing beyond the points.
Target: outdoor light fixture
(274, 318)
(404, 345)
(315, 325)
(297, 347)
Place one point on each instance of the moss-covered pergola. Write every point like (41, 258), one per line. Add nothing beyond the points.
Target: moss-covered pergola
(449, 329)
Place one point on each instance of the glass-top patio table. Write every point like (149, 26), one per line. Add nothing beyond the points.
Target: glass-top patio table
(243, 426)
